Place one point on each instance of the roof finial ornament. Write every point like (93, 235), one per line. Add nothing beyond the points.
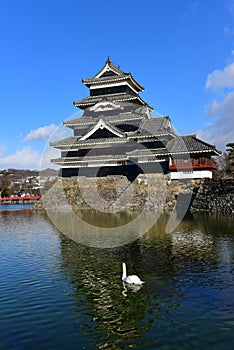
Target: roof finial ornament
(108, 59)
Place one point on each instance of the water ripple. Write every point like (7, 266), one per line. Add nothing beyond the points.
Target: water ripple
(58, 294)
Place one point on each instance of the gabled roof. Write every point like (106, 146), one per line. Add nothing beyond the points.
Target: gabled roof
(119, 119)
(109, 67)
(123, 109)
(190, 144)
(102, 124)
(128, 113)
(111, 73)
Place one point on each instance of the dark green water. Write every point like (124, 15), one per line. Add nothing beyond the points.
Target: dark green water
(58, 294)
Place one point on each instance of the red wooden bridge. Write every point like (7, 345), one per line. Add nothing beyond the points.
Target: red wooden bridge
(19, 199)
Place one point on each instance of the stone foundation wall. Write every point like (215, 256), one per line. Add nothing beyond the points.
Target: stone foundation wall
(215, 195)
(117, 193)
(106, 194)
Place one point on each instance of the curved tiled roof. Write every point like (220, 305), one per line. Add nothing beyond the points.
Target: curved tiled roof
(112, 78)
(190, 144)
(115, 74)
(154, 127)
(128, 112)
(75, 142)
(117, 97)
(121, 119)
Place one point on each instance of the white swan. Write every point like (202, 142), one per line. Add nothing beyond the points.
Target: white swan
(133, 279)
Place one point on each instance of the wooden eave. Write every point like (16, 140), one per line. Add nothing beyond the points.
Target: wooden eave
(141, 137)
(112, 80)
(74, 125)
(86, 103)
(90, 159)
(89, 143)
(212, 151)
(71, 124)
(116, 120)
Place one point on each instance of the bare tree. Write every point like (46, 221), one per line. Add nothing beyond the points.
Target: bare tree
(5, 187)
(229, 168)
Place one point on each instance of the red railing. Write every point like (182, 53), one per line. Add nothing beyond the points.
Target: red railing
(193, 164)
(18, 198)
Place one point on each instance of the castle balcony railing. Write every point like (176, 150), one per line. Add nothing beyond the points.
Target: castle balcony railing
(195, 164)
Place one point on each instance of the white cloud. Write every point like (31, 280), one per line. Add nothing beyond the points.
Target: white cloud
(221, 131)
(225, 108)
(42, 133)
(27, 157)
(48, 154)
(24, 158)
(221, 78)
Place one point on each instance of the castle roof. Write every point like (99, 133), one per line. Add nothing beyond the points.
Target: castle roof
(190, 144)
(111, 73)
(115, 97)
(124, 112)
(155, 127)
(119, 129)
(113, 85)
(74, 142)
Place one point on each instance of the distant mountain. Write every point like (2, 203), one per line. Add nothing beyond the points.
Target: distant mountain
(49, 172)
(15, 174)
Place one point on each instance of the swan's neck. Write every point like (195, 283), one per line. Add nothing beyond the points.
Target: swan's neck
(124, 271)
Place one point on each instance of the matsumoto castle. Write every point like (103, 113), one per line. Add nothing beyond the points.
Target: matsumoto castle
(116, 134)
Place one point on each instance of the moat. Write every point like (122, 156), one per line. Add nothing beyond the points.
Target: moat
(59, 294)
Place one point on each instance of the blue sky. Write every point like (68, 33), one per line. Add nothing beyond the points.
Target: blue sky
(181, 51)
